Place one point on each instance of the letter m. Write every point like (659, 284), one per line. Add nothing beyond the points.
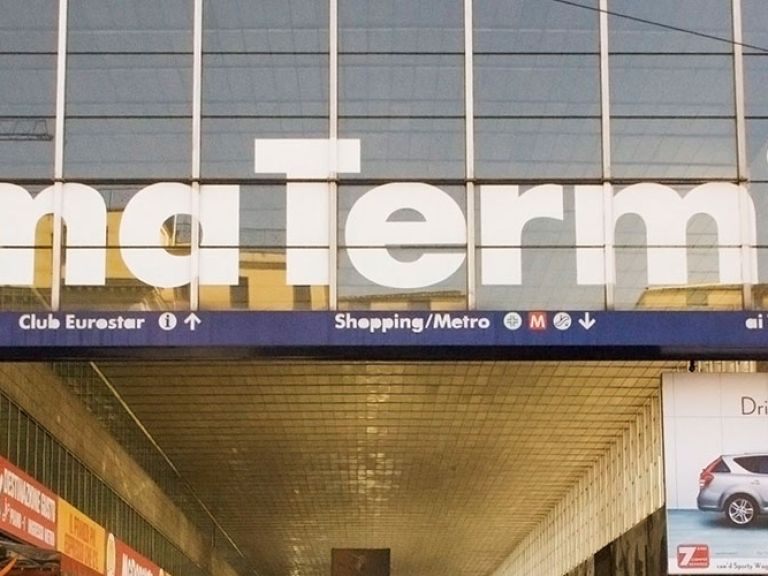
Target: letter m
(83, 211)
(666, 214)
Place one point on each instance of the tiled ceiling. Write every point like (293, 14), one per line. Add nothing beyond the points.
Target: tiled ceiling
(448, 464)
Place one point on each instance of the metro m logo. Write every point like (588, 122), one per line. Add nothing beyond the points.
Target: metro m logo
(84, 213)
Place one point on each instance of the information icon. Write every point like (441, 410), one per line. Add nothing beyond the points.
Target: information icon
(167, 321)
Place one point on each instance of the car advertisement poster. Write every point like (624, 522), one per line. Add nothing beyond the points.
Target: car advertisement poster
(716, 472)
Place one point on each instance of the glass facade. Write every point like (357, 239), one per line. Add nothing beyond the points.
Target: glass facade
(489, 103)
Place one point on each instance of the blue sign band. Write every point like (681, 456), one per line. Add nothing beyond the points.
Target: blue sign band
(717, 334)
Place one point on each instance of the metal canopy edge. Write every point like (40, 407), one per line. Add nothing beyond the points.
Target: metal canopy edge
(439, 334)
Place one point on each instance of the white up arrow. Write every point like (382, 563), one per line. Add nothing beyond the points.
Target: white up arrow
(192, 321)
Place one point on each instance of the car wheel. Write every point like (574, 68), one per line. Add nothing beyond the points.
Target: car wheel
(741, 510)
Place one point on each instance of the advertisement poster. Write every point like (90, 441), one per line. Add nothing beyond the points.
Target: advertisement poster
(716, 472)
(81, 538)
(27, 508)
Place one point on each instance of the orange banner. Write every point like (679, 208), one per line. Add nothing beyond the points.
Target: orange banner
(81, 538)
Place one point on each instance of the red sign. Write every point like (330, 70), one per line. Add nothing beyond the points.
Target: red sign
(28, 510)
(537, 321)
(693, 556)
(71, 567)
(122, 560)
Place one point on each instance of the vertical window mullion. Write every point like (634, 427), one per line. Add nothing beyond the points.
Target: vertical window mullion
(333, 127)
(605, 127)
(469, 160)
(197, 75)
(742, 170)
(58, 157)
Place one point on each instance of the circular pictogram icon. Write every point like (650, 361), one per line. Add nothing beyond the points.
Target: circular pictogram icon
(513, 321)
(167, 321)
(562, 321)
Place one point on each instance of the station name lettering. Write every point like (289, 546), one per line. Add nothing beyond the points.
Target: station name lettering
(436, 230)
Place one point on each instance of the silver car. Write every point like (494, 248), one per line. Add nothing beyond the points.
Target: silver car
(737, 485)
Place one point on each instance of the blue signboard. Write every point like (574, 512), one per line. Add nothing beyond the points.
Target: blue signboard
(497, 333)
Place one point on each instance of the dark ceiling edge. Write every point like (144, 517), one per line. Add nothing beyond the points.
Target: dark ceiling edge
(385, 353)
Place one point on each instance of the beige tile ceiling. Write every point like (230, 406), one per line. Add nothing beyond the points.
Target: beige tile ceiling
(447, 464)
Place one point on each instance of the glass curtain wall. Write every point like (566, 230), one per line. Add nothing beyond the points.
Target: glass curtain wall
(510, 116)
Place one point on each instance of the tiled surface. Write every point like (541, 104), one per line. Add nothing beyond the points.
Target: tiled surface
(447, 464)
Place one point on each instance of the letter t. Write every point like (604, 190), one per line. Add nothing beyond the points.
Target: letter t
(308, 217)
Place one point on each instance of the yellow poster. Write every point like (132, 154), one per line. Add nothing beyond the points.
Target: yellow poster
(81, 538)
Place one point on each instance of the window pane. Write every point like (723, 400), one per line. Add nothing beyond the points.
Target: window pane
(263, 215)
(408, 148)
(541, 85)
(537, 148)
(128, 148)
(757, 148)
(227, 147)
(356, 292)
(497, 207)
(754, 19)
(129, 85)
(265, 85)
(759, 194)
(265, 26)
(401, 26)
(26, 147)
(455, 199)
(699, 229)
(27, 108)
(668, 148)
(122, 290)
(401, 85)
(136, 26)
(37, 296)
(756, 85)
(263, 286)
(664, 26)
(702, 291)
(535, 26)
(28, 25)
(547, 281)
(760, 289)
(688, 85)
(28, 87)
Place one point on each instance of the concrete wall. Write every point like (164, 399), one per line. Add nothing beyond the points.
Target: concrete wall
(36, 389)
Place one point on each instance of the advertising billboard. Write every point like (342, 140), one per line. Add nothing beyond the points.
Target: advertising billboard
(716, 467)
(80, 538)
(122, 560)
(27, 509)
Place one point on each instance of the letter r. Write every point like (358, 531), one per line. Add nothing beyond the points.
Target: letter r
(308, 217)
